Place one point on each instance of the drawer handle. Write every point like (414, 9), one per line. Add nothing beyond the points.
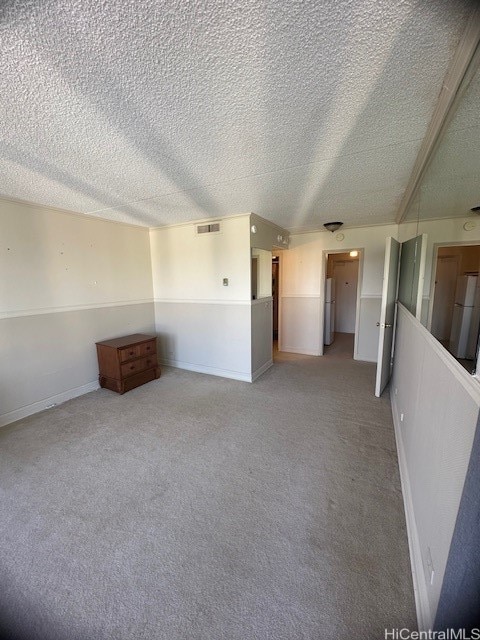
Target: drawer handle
(132, 366)
(148, 348)
(149, 362)
(131, 353)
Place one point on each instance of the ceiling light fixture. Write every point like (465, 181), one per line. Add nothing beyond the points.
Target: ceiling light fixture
(333, 226)
(353, 254)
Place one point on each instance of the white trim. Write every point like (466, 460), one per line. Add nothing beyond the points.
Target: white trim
(213, 371)
(47, 403)
(79, 307)
(256, 374)
(470, 383)
(422, 604)
(227, 302)
(361, 258)
(372, 296)
(279, 302)
(303, 352)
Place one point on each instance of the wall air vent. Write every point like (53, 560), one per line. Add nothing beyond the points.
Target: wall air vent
(208, 228)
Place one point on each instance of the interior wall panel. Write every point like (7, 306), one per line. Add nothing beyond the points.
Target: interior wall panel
(208, 337)
(51, 357)
(436, 405)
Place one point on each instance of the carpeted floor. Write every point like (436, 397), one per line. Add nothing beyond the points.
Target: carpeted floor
(342, 346)
(202, 508)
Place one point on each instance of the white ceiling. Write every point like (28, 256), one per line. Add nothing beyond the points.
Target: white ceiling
(451, 184)
(159, 112)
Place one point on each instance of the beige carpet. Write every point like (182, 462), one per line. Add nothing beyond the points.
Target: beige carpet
(196, 507)
(342, 346)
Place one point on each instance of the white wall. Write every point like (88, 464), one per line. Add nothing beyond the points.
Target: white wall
(435, 405)
(54, 260)
(187, 266)
(302, 294)
(66, 282)
(267, 235)
(203, 325)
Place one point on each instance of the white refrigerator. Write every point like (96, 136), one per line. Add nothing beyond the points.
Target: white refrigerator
(473, 335)
(463, 312)
(329, 332)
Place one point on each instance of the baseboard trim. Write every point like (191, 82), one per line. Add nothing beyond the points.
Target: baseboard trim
(258, 372)
(424, 615)
(361, 358)
(212, 371)
(302, 352)
(41, 405)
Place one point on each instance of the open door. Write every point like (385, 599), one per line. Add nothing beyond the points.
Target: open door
(387, 315)
(412, 274)
(404, 273)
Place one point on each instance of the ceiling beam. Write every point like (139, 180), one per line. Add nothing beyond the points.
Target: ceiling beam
(467, 56)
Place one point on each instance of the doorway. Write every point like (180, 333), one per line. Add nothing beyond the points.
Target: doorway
(341, 303)
(275, 297)
(454, 318)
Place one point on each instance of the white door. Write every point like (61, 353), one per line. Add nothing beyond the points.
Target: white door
(387, 315)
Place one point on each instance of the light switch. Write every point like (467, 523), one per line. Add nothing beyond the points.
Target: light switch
(225, 282)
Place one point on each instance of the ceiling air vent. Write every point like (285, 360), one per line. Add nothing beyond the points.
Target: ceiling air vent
(208, 228)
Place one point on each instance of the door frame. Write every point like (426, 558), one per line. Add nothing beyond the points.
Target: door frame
(323, 278)
(279, 251)
(431, 295)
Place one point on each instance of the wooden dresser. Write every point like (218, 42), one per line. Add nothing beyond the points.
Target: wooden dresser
(127, 362)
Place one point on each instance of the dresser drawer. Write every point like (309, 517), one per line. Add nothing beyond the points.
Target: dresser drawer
(139, 378)
(147, 348)
(135, 366)
(129, 352)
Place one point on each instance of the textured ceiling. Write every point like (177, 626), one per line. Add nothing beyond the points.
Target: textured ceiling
(158, 112)
(451, 185)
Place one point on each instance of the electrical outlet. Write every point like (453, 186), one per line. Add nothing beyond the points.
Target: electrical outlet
(401, 417)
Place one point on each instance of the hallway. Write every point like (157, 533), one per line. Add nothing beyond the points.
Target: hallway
(341, 347)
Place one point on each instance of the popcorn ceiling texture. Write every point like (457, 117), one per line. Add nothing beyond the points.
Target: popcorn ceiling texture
(450, 186)
(157, 112)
